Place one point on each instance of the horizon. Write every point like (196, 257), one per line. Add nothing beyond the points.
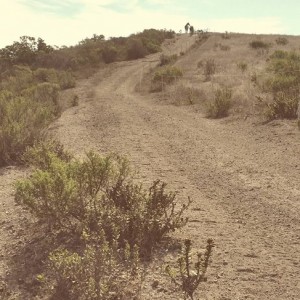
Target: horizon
(68, 23)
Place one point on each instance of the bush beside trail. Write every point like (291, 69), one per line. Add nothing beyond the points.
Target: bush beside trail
(111, 221)
(283, 84)
(29, 101)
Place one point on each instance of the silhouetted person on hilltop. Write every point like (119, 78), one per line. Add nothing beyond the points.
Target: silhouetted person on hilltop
(186, 27)
(192, 30)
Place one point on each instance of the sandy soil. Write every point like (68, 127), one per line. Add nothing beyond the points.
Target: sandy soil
(243, 178)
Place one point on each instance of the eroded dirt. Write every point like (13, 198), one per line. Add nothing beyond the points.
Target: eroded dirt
(243, 178)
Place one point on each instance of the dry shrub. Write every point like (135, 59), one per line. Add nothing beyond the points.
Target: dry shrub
(283, 84)
(283, 106)
(226, 35)
(209, 68)
(185, 95)
(163, 76)
(167, 59)
(221, 104)
(282, 41)
(224, 47)
(258, 44)
(242, 66)
(136, 49)
(109, 54)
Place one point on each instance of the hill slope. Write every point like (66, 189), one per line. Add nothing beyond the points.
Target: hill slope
(243, 177)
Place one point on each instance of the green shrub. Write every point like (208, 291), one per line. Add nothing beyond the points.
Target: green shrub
(285, 63)
(16, 79)
(24, 114)
(21, 123)
(66, 80)
(283, 83)
(167, 74)
(167, 59)
(109, 54)
(280, 82)
(152, 47)
(98, 194)
(43, 92)
(221, 104)
(41, 154)
(283, 106)
(258, 44)
(45, 75)
(97, 273)
(188, 277)
(113, 220)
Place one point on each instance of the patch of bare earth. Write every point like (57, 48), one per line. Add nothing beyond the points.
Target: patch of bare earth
(243, 178)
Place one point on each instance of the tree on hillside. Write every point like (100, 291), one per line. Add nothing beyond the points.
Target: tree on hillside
(42, 46)
(24, 51)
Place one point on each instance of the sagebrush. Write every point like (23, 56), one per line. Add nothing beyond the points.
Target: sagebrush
(115, 220)
(283, 83)
(221, 104)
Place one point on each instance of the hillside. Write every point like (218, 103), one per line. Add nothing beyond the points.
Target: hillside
(241, 172)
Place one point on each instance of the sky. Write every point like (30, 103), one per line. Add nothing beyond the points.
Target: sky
(67, 22)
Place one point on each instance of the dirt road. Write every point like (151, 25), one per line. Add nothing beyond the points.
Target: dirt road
(244, 180)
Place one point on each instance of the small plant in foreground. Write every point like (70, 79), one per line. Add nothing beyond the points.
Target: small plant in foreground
(222, 103)
(100, 272)
(190, 277)
(111, 221)
(99, 194)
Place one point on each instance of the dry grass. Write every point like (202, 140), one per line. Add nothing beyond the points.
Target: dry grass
(224, 62)
(237, 66)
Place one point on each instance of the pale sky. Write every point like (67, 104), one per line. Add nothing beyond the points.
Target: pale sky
(66, 22)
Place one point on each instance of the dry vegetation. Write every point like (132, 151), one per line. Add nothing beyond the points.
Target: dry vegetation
(98, 227)
(260, 71)
(33, 73)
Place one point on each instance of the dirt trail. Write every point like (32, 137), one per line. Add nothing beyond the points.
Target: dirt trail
(244, 180)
